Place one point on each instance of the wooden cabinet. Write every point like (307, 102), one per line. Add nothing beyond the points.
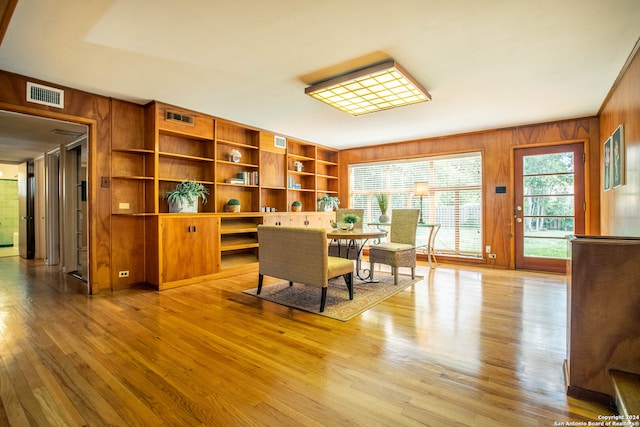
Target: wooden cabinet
(239, 177)
(189, 247)
(300, 219)
(185, 150)
(239, 240)
(602, 314)
(311, 172)
(154, 147)
(132, 162)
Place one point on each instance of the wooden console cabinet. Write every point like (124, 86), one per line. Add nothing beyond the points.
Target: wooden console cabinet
(603, 320)
(157, 146)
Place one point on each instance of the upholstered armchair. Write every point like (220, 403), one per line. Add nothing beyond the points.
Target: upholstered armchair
(348, 249)
(400, 250)
(300, 255)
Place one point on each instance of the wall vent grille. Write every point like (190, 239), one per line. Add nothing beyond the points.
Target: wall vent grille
(45, 95)
(180, 118)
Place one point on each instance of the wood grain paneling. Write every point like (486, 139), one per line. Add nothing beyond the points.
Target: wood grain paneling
(93, 111)
(497, 148)
(603, 302)
(620, 214)
(6, 12)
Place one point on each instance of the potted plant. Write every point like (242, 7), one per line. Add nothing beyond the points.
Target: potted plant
(233, 205)
(185, 197)
(383, 204)
(328, 203)
(298, 165)
(348, 221)
(296, 206)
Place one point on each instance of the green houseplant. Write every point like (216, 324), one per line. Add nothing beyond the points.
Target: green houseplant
(348, 221)
(328, 203)
(296, 206)
(233, 205)
(185, 197)
(383, 204)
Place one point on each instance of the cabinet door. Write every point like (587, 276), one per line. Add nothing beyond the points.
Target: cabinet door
(189, 248)
(275, 220)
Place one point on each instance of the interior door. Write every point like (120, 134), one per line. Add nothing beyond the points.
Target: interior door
(26, 182)
(549, 204)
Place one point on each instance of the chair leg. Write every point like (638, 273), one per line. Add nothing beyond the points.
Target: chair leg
(395, 276)
(413, 272)
(260, 278)
(348, 278)
(371, 270)
(323, 300)
(290, 283)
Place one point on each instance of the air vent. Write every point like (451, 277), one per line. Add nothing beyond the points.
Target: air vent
(180, 118)
(280, 141)
(45, 95)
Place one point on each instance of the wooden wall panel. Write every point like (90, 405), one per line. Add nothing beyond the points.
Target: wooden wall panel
(497, 148)
(94, 111)
(620, 214)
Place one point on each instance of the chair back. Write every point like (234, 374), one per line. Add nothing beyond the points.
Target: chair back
(404, 225)
(294, 253)
(360, 212)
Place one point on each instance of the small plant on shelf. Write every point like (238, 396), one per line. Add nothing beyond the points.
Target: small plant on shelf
(185, 197)
(296, 206)
(233, 205)
(298, 165)
(328, 203)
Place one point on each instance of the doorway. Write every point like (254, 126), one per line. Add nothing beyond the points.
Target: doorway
(549, 204)
(50, 190)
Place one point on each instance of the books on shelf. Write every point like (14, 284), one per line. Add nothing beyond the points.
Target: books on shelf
(234, 181)
(244, 178)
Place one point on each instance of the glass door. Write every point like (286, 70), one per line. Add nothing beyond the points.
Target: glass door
(550, 204)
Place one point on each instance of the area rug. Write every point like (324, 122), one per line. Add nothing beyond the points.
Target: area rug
(338, 306)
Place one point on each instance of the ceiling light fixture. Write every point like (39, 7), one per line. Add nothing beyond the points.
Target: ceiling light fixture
(377, 87)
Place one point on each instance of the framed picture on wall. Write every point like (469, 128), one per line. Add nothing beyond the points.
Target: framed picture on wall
(606, 167)
(618, 171)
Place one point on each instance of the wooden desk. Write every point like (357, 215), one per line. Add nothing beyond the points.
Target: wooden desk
(354, 241)
(429, 247)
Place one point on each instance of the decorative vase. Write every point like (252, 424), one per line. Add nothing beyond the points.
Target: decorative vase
(232, 208)
(345, 226)
(383, 218)
(296, 208)
(183, 207)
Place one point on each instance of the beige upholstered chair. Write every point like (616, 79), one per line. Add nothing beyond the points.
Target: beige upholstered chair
(347, 249)
(300, 255)
(400, 250)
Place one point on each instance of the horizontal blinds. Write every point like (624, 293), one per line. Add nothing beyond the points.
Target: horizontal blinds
(454, 199)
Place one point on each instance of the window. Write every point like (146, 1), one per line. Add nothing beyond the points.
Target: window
(454, 199)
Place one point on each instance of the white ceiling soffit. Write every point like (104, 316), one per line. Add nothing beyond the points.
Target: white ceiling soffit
(487, 64)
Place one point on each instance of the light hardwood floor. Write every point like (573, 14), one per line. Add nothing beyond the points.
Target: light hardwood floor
(463, 347)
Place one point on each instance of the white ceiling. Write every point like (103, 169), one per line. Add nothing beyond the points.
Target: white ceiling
(487, 64)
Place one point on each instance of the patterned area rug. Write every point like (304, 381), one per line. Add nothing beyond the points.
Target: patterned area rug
(339, 307)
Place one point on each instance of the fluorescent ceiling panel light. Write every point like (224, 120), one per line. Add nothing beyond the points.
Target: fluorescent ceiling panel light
(379, 87)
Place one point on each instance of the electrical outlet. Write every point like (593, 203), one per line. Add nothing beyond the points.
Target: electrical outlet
(492, 256)
(487, 249)
(123, 273)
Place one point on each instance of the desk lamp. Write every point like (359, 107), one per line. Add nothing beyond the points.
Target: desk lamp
(421, 189)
